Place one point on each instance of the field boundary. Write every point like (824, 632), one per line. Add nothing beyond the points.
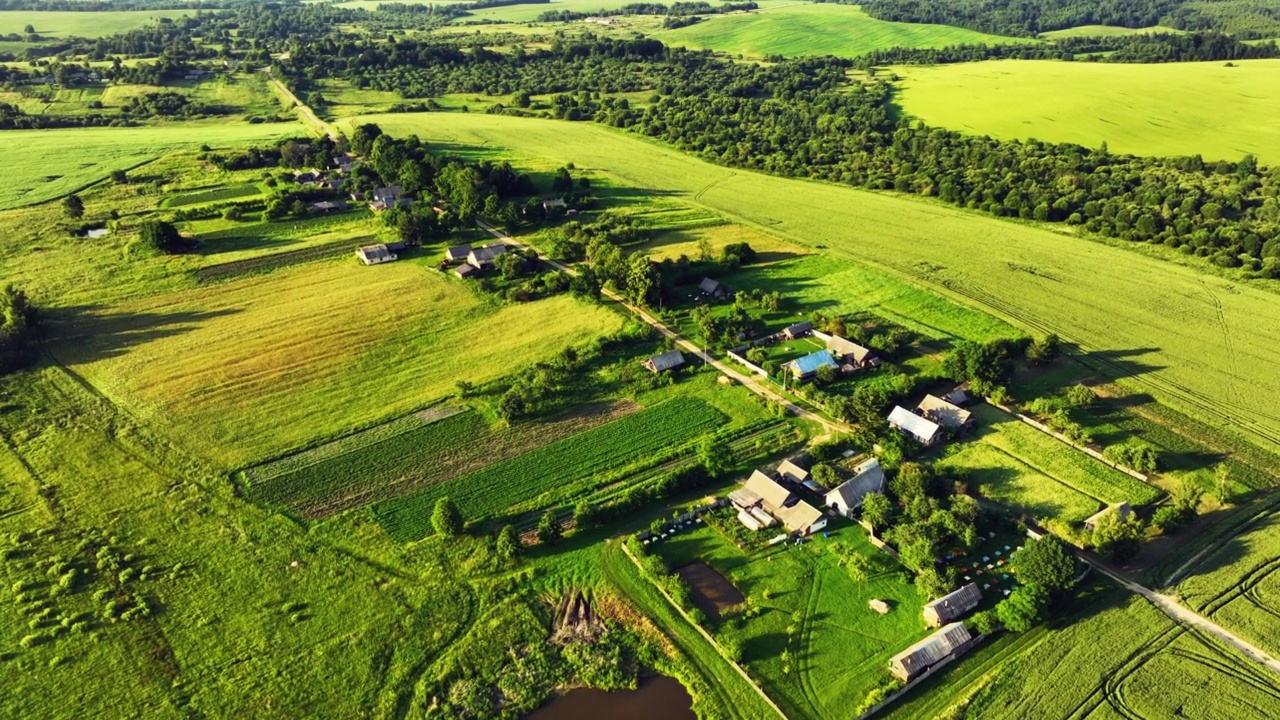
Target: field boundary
(1063, 438)
(705, 635)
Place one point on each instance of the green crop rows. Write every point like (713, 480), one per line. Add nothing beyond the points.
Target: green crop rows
(212, 195)
(526, 476)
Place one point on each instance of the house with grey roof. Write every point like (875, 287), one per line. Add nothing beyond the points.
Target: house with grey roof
(483, 256)
(922, 430)
(712, 288)
(457, 253)
(868, 477)
(949, 641)
(669, 360)
(375, 254)
(952, 606)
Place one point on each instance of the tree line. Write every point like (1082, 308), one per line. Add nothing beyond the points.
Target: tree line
(1141, 48)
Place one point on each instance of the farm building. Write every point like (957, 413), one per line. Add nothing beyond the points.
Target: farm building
(482, 257)
(944, 413)
(662, 362)
(806, 368)
(868, 477)
(1122, 509)
(851, 353)
(799, 330)
(375, 254)
(329, 206)
(387, 197)
(309, 177)
(793, 472)
(457, 253)
(344, 163)
(922, 430)
(465, 271)
(952, 606)
(756, 519)
(801, 518)
(954, 639)
(760, 490)
(958, 396)
(712, 288)
(553, 204)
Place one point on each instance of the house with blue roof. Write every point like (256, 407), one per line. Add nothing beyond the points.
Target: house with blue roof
(806, 368)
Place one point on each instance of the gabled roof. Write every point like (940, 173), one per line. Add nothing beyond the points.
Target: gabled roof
(799, 328)
(666, 361)
(1122, 509)
(944, 413)
(792, 471)
(374, 252)
(487, 253)
(958, 396)
(810, 363)
(868, 478)
(932, 649)
(710, 285)
(465, 270)
(955, 604)
(388, 194)
(457, 252)
(912, 423)
(848, 348)
(771, 494)
(798, 517)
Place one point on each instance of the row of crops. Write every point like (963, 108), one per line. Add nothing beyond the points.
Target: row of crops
(499, 486)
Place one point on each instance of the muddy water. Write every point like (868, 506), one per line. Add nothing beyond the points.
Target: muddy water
(657, 698)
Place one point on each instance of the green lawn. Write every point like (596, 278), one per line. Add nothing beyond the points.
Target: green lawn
(838, 647)
(1004, 478)
(1158, 326)
(817, 29)
(60, 24)
(1162, 109)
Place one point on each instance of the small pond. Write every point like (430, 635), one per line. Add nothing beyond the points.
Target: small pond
(657, 698)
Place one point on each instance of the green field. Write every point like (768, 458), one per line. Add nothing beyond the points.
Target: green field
(1104, 31)
(1165, 109)
(817, 29)
(248, 369)
(62, 24)
(839, 647)
(1195, 341)
(495, 488)
(1006, 479)
(46, 169)
(1237, 584)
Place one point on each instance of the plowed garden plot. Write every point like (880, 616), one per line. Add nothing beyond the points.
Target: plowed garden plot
(399, 457)
(711, 591)
(497, 487)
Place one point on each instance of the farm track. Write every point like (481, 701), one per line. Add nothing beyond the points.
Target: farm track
(804, 662)
(1226, 340)
(408, 689)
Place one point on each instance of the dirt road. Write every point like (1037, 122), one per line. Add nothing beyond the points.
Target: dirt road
(750, 381)
(307, 113)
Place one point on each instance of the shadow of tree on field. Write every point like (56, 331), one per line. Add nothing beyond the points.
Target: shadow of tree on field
(94, 332)
(1116, 364)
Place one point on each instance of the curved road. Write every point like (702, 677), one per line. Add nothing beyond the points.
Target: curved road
(307, 113)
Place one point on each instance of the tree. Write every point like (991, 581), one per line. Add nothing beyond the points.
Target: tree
(641, 279)
(826, 374)
(1044, 351)
(161, 236)
(585, 284)
(916, 553)
(29, 29)
(705, 251)
(716, 456)
(854, 563)
(1024, 608)
(548, 531)
(1046, 562)
(931, 584)
(1117, 539)
(584, 515)
(362, 138)
(446, 519)
(825, 475)
(119, 177)
(562, 182)
(74, 206)
(508, 545)
(1080, 396)
(17, 325)
(877, 510)
(911, 481)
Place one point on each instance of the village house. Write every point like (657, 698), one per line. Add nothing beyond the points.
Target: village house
(801, 518)
(1121, 509)
(798, 330)
(483, 256)
(922, 430)
(457, 253)
(868, 477)
(309, 177)
(762, 491)
(950, 641)
(662, 362)
(851, 355)
(806, 368)
(952, 606)
(944, 413)
(387, 197)
(328, 206)
(375, 254)
(793, 472)
(344, 163)
(762, 497)
(713, 288)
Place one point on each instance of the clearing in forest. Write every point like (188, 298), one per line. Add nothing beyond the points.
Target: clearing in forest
(1218, 110)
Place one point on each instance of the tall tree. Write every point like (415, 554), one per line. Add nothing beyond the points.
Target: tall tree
(1046, 562)
(74, 206)
(446, 519)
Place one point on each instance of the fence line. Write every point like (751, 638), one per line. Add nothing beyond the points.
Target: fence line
(1059, 436)
(750, 366)
(706, 635)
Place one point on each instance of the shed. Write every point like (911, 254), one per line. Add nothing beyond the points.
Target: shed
(1122, 509)
(806, 368)
(792, 472)
(922, 430)
(375, 254)
(952, 606)
(801, 518)
(662, 362)
(465, 271)
(868, 477)
(798, 330)
(712, 287)
(850, 352)
(959, 395)
(910, 663)
(944, 413)
(457, 253)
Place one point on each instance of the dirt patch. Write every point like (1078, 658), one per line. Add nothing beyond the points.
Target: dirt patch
(711, 591)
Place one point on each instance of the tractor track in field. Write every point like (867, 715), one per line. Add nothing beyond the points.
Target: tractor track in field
(803, 660)
(407, 688)
(1226, 341)
(697, 197)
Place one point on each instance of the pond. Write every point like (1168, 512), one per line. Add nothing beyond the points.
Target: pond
(656, 698)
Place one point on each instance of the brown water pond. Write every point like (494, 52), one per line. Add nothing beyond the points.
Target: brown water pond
(657, 698)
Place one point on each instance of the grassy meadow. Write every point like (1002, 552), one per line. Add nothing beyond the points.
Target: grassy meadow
(63, 24)
(1104, 31)
(816, 29)
(1193, 340)
(46, 169)
(249, 369)
(1163, 109)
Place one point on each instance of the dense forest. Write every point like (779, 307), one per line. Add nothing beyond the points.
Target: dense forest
(1249, 19)
(804, 118)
